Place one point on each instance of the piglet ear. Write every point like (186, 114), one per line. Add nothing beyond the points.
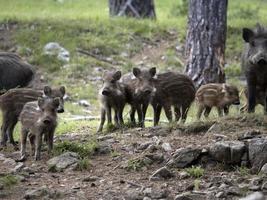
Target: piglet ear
(117, 75)
(247, 34)
(136, 71)
(62, 90)
(56, 102)
(47, 91)
(153, 71)
(40, 102)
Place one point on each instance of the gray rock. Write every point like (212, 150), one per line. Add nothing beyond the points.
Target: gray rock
(18, 167)
(104, 148)
(166, 146)
(84, 103)
(264, 187)
(144, 146)
(183, 157)
(189, 196)
(254, 196)
(134, 195)
(257, 151)
(63, 161)
(36, 193)
(1, 186)
(230, 152)
(264, 169)
(161, 174)
(155, 194)
(53, 48)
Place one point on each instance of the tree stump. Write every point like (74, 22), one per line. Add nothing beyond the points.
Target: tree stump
(132, 8)
(205, 42)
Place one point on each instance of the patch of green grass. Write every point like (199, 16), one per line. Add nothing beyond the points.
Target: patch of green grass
(8, 180)
(83, 164)
(195, 172)
(136, 164)
(233, 70)
(196, 184)
(243, 171)
(84, 150)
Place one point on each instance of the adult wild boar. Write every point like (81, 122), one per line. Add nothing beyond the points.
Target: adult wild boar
(254, 63)
(112, 95)
(14, 72)
(216, 95)
(139, 87)
(172, 89)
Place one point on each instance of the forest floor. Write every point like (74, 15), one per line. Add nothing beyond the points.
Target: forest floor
(117, 168)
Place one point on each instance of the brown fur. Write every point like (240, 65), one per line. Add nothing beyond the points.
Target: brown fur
(38, 118)
(172, 89)
(139, 87)
(216, 95)
(12, 102)
(112, 95)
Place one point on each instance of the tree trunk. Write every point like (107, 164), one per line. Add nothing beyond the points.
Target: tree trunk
(132, 8)
(205, 42)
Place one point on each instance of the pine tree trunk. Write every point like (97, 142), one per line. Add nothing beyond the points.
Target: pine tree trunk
(205, 43)
(132, 8)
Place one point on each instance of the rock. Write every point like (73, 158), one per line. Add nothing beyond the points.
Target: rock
(166, 146)
(134, 195)
(257, 151)
(1, 186)
(84, 103)
(161, 174)
(158, 131)
(18, 167)
(155, 194)
(254, 196)
(183, 157)
(63, 161)
(144, 146)
(103, 148)
(90, 179)
(190, 196)
(229, 152)
(220, 194)
(53, 48)
(250, 134)
(183, 175)
(36, 193)
(264, 169)
(264, 187)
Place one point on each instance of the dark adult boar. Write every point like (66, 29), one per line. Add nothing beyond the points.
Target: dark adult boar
(140, 86)
(254, 63)
(216, 95)
(14, 72)
(12, 102)
(38, 119)
(112, 95)
(172, 89)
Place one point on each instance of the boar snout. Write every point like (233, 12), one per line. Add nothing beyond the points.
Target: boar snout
(106, 92)
(237, 102)
(261, 62)
(60, 110)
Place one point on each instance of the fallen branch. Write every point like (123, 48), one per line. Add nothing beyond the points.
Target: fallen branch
(98, 57)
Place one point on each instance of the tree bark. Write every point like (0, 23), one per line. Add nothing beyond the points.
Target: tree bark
(205, 43)
(132, 8)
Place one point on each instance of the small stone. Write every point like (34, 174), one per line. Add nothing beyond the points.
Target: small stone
(264, 169)
(161, 174)
(166, 146)
(264, 187)
(1, 186)
(183, 175)
(18, 167)
(220, 194)
(254, 196)
(36, 193)
(84, 103)
(90, 179)
(134, 195)
(63, 161)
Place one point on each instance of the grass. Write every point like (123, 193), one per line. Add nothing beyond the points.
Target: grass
(195, 172)
(136, 164)
(8, 180)
(84, 150)
(83, 164)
